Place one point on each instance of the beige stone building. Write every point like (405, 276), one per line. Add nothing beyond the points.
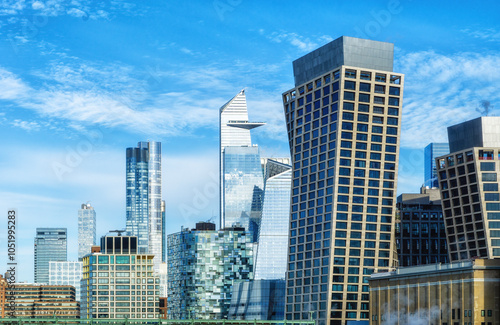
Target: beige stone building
(459, 293)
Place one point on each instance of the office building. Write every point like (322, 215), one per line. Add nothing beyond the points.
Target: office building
(86, 230)
(343, 119)
(203, 265)
(44, 301)
(258, 300)
(143, 198)
(163, 275)
(431, 152)
(465, 292)
(50, 245)
(468, 180)
(420, 233)
(271, 256)
(4, 308)
(241, 179)
(66, 273)
(119, 282)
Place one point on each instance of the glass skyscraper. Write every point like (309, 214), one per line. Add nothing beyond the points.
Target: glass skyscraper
(271, 258)
(431, 152)
(143, 198)
(203, 265)
(86, 230)
(241, 182)
(50, 245)
(343, 119)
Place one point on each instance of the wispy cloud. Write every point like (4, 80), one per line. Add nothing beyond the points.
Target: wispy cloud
(444, 90)
(304, 44)
(488, 34)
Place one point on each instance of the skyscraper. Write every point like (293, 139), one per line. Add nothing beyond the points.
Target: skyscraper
(86, 230)
(50, 245)
(144, 204)
(343, 122)
(241, 182)
(431, 152)
(271, 258)
(468, 180)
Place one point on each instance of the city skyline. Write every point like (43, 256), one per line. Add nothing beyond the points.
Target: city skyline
(72, 103)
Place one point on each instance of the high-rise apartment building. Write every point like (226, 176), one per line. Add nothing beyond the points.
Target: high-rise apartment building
(468, 180)
(144, 204)
(420, 233)
(203, 265)
(343, 119)
(86, 230)
(50, 245)
(271, 257)
(66, 273)
(119, 282)
(431, 152)
(241, 182)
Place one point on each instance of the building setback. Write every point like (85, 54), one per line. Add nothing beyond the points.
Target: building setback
(203, 265)
(118, 282)
(343, 120)
(50, 245)
(420, 233)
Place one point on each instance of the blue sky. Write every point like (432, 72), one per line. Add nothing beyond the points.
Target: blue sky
(82, 80)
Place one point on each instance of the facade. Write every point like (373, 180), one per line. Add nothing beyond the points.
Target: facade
(86, 230)
(420, 233)
(243, 188)
(44, 301)
(258, 300)
(343, 121)
(431, 152)
(119, 282)
(203, 265)
(447, 294)
(143, 198)
(468, 180)
(163, 274)
(50, 245)
(4, 309)
(241, 203)
(66, 273)
(271, 257)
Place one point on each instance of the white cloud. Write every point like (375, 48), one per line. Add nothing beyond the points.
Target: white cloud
(488, 34)
(304, 44)
(441, 91)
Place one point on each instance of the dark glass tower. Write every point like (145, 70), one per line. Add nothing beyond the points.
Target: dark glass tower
(50, 245)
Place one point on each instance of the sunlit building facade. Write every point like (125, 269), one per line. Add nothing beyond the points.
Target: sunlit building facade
(271, 257)
(203, 265)
(119, 282)
(50, 245)
(86, 230)
(143, 198)
(343, 119)
(241, 182)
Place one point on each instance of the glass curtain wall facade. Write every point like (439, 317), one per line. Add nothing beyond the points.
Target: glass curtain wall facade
(343, 121)
(431, 152)
(66, 273)
(86, 230)
(234, 131)
(143, 198)
(243, 188)
(271, 258)
(50, 245)
(203, 265)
